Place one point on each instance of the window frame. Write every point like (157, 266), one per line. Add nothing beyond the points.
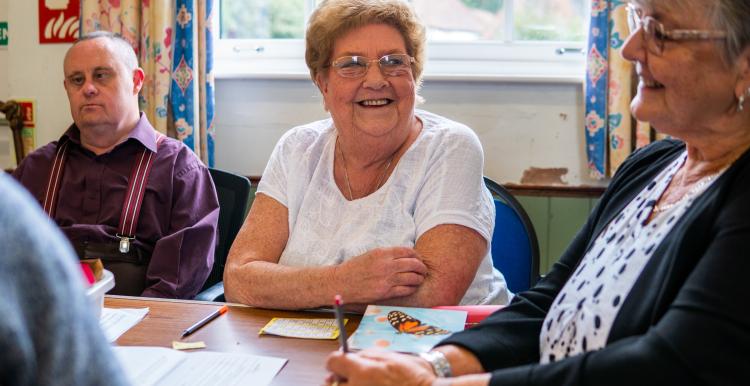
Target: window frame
(524, 61)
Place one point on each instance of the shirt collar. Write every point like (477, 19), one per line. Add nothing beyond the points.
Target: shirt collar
(143, 132)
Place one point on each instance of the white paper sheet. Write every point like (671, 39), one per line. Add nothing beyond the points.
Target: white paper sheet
(115, 321)
(161, 366)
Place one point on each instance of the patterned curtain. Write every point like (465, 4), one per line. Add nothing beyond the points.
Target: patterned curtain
(610, 132)
(178, 95)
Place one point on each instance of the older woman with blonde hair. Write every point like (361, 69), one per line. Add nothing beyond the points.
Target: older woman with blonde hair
(381, 203)
(651, 290)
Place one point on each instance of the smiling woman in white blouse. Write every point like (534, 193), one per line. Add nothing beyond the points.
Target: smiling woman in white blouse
(652, 291)
(381, 203)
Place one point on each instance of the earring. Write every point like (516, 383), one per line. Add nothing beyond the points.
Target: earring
(741, 100)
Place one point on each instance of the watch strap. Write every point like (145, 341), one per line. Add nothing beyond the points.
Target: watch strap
(439, 363)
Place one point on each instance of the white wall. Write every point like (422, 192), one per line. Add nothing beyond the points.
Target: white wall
(34, 71)
(521, 125)
(3, 55)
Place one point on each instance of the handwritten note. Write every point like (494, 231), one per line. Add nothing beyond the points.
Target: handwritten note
(302, 328)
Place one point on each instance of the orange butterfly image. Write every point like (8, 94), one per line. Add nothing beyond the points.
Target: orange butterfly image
(403, 323)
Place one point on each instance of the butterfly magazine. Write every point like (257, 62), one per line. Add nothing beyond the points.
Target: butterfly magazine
(405, 329)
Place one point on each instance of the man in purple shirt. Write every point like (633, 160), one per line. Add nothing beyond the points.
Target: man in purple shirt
(169, 251)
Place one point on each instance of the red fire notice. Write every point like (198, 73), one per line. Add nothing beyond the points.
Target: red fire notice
(58, 21)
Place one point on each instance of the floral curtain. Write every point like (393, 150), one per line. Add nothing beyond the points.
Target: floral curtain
(610, 132)
(173, 40)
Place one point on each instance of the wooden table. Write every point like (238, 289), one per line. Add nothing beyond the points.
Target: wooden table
(235, 331)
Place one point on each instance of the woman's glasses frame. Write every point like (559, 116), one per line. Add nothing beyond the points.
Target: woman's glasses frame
(654, 33)
(357, 66)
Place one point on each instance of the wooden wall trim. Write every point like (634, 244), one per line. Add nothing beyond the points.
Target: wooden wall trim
(582, 191)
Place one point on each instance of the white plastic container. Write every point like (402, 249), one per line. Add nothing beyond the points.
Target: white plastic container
(96, 292)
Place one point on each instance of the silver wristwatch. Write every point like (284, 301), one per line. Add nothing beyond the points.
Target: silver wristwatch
(439, 363)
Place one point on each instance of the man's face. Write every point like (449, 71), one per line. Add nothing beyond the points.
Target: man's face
(102, 91)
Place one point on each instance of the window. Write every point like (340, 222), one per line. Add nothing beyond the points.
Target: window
(525, 38)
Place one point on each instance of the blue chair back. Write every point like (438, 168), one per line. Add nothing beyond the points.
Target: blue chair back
(515, 249)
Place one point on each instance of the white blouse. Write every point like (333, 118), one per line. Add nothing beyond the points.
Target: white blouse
(437, 181)
(583, 312)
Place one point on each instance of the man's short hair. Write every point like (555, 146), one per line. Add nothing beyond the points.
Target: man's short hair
(122, 47)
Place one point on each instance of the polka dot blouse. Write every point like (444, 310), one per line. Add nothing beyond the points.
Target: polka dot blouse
(583, 312)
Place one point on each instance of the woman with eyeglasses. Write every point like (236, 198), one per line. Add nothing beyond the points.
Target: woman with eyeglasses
(381, 203)
(652, 291)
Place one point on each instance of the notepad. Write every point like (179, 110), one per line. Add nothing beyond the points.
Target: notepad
(302, 328)
(146, 366)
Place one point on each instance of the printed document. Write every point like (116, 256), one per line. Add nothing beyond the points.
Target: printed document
(115, 321)
(146, 366)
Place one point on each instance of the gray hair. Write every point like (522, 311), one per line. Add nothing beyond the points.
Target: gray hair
(121, 46)
(728, 15)
(733, 16)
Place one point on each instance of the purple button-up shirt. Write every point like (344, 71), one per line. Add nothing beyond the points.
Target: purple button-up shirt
(178, 217)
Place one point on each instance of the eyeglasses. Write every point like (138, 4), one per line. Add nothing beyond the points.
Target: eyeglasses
(357, 66)
(654, 34)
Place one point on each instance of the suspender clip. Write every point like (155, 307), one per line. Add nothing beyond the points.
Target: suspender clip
(125, 243)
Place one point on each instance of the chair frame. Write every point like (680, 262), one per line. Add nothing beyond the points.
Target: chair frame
(499, 191)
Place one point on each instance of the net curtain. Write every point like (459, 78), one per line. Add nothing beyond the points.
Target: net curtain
(174, 43)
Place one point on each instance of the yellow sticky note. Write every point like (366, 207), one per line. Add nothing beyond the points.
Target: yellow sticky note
(302, 328)
(187, 345)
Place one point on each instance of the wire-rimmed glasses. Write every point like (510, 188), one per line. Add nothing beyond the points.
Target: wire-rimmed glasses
(654, 33)
(357, 66)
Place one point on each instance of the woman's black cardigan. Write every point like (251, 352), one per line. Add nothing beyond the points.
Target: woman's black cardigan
(685, 322)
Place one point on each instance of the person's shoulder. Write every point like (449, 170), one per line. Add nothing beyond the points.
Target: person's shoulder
(46, 152)
(439, 129)
(652, 156)
(309, 132)
(179, 156)
(304, 138)
(11, 192)
(17, 209)
(36, 164)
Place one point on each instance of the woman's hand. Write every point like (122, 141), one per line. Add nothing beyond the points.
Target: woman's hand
(378, 368)
(381, 273)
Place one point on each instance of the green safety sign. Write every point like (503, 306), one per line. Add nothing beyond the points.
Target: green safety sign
(3, 33)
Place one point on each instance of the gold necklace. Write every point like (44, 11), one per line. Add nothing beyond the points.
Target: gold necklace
(690, 194)
(346, 172)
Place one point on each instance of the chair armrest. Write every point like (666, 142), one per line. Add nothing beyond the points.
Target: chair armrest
(214, 293)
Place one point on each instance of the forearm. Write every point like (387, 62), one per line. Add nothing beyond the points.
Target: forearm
(452, 254)
(181, 262)
(271, 285)
(436, 290)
